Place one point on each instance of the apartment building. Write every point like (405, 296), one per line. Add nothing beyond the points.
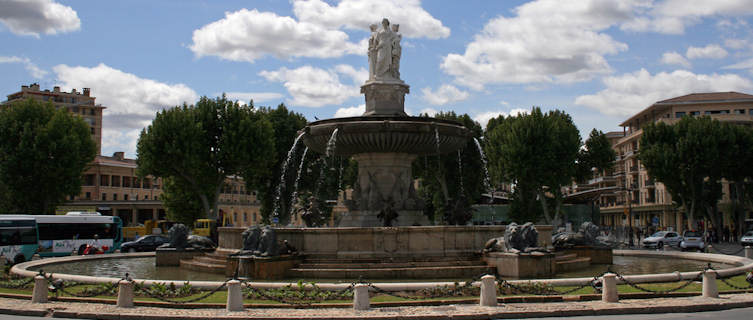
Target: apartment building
(79, 103)
(636, 193)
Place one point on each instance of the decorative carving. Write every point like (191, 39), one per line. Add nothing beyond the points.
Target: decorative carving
(587, 235)
(386, 43)
(251, 240)
(517, 239)
(178, 236)
(268, 243)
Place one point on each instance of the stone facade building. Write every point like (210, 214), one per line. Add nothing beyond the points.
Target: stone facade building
(630, 190)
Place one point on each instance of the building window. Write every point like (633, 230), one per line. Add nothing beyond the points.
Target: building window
(104, 197)
(235, 217)
(88, 196)
(750, 112)
(114, 196)
(92, 130)
(126, 182)
(75, 109)
(104, 180)
(739, 111)
(679, 114)
(245, 217)
(115, 181)
(695, 113)
(91, 111)
(89, 179)
(125, 197)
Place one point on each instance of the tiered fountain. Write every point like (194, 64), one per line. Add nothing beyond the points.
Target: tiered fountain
(385, 140)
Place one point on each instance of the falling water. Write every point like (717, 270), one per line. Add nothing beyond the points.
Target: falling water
(487, 180)
(340, 177)
(436, 139)
(297, 179)
(460, 172)
(283, 171)
(331, 145)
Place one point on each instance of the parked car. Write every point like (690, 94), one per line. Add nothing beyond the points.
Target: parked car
(692, 240)
(660, 239)
(144, 243)
(747, 239)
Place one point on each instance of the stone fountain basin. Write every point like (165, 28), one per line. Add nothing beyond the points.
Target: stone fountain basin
(413, 135)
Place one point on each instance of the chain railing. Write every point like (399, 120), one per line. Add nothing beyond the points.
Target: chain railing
(299, 296)
(730, 253)
(144, 291)
(16, 283)
(748, 279)
(547, 290)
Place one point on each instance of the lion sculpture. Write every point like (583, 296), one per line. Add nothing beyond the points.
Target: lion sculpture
(178, 236)
(517, 239)
(259, 242)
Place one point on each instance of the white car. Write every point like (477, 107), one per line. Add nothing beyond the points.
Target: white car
(660, 239)
(692, 240)
(747, 239)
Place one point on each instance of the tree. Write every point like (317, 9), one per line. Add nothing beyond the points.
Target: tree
(199, 146)
(597, 154)
(286, 125)
(685, 157)
(452, 182)
(735, 164)
(43, 154)
(182, 204)
(538, 153)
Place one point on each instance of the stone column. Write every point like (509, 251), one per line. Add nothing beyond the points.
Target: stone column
(39, 295)
(234, 296)
(125, 294)
(361, 297)
(709, 284)
(749, 252)
(609, 288)
(488, 291)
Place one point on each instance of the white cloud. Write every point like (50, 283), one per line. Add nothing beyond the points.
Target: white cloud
(247, 35)
(245, 97)
(35, 71)
(484, 117)
(429, 111)
(711, 51)
(629, 93)
(444, 95)
(735, 43)
(747, 64)
(547, 41)
(354, 111)
(315, 87)
(414, 21)
(675, 58)
(673, 16)
(32, 17)
(131, 101)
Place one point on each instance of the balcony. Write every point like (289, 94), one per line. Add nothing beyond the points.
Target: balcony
(649, 183)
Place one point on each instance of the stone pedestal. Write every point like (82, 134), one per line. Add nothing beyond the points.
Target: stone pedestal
(488, 291)
(361, 297)
(521, 265)
(252, 267)
(170, 257)
(385, 98)
(609, 288)
(710, 290)
(125, 294)
(39, 295)
(234, 296)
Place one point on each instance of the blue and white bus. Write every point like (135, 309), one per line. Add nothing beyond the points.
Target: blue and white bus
(61, 235)
(19, 238)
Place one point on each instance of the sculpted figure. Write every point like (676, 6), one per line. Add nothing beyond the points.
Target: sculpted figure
(268, 243)
(251, 240)
(396, 51)
(200, 242)
(521, 238)
(384, 51)
(372, 51)
(178, 236)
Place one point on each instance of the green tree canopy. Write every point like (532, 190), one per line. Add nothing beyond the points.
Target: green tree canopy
(450, 183)
(199, 146)
(686, 158)
(537, 152)
(597, 153)
(43, 153)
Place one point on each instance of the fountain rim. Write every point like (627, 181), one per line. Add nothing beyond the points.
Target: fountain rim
(382, 118)
(742, 266)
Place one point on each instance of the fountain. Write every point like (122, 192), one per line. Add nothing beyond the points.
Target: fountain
(385, 140)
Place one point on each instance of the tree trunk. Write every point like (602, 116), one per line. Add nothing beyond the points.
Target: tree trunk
(542, 199)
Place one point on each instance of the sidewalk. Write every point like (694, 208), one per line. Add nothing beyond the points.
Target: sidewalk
(459, 311)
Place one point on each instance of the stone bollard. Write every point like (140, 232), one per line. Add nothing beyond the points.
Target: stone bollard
(234, 296)
(609, 288)
(361, 297)
(125, 294)
(709, 284)
(39, 295)
(488, 291)
(749, 252)
(709, 248)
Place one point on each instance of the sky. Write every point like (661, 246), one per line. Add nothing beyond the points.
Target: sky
(599, 60)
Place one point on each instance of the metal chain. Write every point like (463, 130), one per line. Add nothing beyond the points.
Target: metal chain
(109, 288)
(455, 291)
(687, 283)
(735, 286)
(727, 253)
(11, 285)
(145, 292)
(546, 291)
(724, 279)
(342, 293)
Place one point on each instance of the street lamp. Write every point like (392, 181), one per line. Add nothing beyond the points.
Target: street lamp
(628, 190)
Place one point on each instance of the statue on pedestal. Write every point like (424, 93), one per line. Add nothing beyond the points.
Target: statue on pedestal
(384, 52)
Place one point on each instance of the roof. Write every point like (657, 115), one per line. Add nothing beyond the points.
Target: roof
(707, 97)
(710, 96)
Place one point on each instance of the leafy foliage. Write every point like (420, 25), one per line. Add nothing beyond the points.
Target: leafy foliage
(537, 152)
(199, 146)
(598, 154)
(450, 183)
(43, 154)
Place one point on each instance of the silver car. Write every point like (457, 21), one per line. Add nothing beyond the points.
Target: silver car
(747, 239)
(692, 240)
(660, 239)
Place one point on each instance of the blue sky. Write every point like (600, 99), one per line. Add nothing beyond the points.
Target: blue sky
(599, 60)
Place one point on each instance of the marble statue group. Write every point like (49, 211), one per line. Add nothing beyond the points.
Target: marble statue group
(384, 52)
